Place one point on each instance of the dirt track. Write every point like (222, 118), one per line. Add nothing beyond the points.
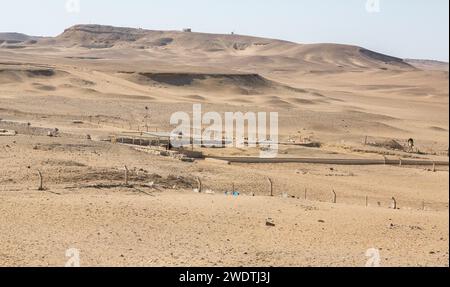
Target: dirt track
(334, 161)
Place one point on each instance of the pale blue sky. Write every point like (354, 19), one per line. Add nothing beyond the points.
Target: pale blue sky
(403, 28)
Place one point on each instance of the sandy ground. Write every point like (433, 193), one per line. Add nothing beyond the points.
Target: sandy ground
(85, 207)
(99, 83)
(123, 228)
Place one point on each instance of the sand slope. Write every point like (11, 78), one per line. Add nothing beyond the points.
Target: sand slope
(97, 80)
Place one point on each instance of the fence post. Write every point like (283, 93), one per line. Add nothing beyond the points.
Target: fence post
(271, 186)
(334, 197)
(41, 181)
(126, 175)
(394, 203)
(200, 185)
(367, 201)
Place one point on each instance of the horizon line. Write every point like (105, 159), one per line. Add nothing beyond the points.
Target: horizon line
(225, 34)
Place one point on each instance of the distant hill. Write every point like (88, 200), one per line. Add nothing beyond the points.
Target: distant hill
(16, 40)
(428, 65)
(16, 37)
(252, 49)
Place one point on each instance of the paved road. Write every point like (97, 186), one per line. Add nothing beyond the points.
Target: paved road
(332, 161)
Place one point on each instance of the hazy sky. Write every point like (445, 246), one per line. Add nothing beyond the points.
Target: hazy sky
(403, 28)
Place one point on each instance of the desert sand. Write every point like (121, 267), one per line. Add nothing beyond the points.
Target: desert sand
(349, 102)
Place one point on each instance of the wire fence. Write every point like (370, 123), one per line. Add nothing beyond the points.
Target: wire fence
(43, 180)
(271, 188)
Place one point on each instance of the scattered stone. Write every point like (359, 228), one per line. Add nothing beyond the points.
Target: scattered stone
(187, 159)
(415, 227)
(53, 133)
(8, 132)
(270, 222)
(208, 191)
(164, 153)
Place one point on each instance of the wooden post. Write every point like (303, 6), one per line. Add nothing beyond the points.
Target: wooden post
(334, 197)
(400, 162)
(394, 203)
(434, 167)
(200, 185)
(367, 201)
(41, 181)
(126, 175)
(271, 186)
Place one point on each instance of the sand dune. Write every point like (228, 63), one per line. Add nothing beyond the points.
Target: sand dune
(334, 101)
(86, 61)
(250, 50)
